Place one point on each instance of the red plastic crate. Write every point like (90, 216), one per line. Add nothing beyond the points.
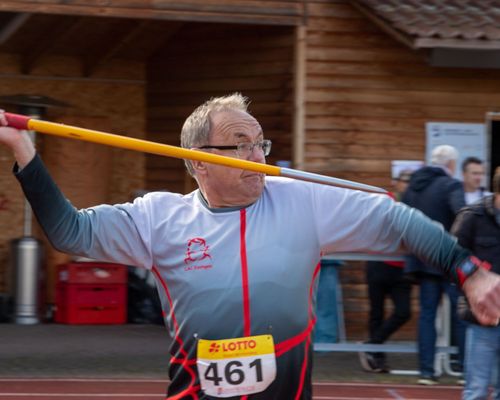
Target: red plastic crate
(91, 272)
(91, 304)
(91, 315)
(75, 293)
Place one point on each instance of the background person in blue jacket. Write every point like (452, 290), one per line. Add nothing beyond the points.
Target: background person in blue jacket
(435, 192)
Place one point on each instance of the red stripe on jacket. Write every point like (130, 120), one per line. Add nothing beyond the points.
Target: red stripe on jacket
(244, 274)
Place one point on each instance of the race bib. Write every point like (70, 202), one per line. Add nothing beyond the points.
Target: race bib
(235, 367)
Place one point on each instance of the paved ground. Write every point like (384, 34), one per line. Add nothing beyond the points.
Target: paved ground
(133, 389)
(139, 351)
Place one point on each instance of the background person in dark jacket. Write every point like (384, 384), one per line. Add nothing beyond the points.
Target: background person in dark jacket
(478, 228)
(386, 279)
(435, 192)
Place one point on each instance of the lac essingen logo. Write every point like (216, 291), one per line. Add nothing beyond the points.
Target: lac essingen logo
(197, 255)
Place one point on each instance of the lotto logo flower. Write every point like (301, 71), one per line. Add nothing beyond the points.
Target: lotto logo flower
(214, 348)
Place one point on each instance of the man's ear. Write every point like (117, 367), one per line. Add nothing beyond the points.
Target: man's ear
(199, 166)
(452, 166)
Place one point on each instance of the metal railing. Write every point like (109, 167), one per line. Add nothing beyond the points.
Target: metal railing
(442, 361)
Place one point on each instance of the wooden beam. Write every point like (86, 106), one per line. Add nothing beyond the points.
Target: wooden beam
(45, 43)
(299, 97)
(13, 26)
(114, 44)
(384, 25)
(268, 12)
(90, 64)
(163, 39)
(458, 44)
(157, 34)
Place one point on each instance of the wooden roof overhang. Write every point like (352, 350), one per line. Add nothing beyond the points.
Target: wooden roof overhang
(97, 31)
(450, 34)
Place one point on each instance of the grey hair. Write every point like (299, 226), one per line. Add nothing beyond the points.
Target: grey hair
(196, 129)
(443, 154)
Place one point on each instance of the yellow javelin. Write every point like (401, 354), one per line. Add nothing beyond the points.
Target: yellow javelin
(27, 123)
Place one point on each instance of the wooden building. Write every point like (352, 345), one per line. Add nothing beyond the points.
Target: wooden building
(341, 87)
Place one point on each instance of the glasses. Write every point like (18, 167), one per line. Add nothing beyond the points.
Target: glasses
(243, 150)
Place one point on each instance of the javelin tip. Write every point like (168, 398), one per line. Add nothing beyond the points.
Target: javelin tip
(328, 180)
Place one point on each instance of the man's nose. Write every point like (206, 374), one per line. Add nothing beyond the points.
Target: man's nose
(257, 154)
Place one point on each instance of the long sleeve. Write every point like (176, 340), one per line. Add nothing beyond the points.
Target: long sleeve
(54, 213)
(359, 222)
(430, 242)
(464, 229)
(106, 233)
(456, 196)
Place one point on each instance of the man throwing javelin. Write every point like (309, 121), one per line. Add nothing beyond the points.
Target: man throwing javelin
(236, 260)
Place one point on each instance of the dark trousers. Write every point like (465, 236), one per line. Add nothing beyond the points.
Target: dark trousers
(431, 291)
(386, 281)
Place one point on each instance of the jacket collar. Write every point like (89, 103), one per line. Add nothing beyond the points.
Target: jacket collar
(489, 206)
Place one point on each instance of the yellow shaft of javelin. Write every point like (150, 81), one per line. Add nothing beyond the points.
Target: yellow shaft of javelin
(146, 146)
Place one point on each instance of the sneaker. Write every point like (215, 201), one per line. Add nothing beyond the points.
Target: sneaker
(381, 361)
(427, 380)
(456, 366)
(384, 368)
(368, 362)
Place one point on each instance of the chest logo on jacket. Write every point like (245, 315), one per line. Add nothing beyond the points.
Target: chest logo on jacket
(197, 255)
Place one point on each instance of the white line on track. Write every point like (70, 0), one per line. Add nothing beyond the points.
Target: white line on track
(394, 394)
(364, 398)
(346, 398)
(396, 385)
(159, 395)
(142, 395)
(139, 380)
(391, 389)
(84, 380)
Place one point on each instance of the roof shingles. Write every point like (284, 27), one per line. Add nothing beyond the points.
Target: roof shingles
(466, 20)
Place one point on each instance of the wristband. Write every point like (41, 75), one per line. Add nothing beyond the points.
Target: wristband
(465, 270)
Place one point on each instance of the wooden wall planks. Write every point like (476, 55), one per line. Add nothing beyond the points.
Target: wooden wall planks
(210, 60)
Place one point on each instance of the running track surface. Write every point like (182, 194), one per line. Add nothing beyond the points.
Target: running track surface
(133, 389)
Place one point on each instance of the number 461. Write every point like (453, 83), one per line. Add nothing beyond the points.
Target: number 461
(234, 374)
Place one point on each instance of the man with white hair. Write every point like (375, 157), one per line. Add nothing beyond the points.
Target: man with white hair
(435, 192)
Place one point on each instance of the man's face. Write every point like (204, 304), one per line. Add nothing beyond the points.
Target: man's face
(224, 186)
(473, 177)
(401, 185)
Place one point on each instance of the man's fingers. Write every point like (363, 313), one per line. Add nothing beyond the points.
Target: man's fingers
(483, 292)
(486, 319)
(3, 119)
(487, 307)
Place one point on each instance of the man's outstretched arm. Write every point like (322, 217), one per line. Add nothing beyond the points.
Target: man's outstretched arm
(428, 240)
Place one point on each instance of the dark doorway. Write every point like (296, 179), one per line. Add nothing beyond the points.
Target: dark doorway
(493, 126)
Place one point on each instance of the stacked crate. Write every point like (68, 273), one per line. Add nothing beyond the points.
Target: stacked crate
(91, 293)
